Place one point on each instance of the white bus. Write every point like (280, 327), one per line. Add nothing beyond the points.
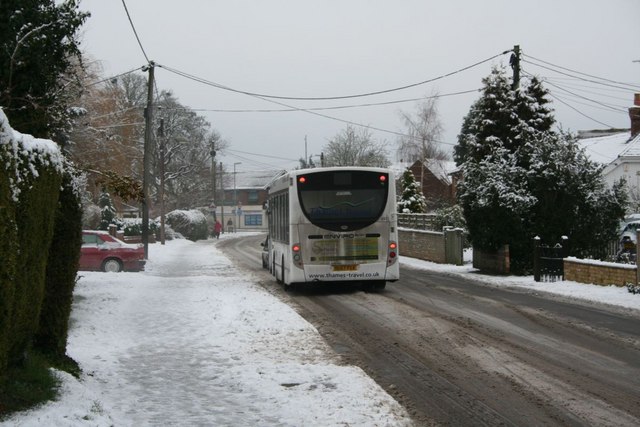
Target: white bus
(334, 224)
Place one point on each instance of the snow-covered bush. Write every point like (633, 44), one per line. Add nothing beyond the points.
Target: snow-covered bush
(192, 224)
(411, 199)
(522, 179)
(133, 226)
(451, 216)
(91, 217)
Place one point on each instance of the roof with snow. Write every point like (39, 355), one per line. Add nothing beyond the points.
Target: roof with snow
(258, 179)
(441, 169)
(606, 149)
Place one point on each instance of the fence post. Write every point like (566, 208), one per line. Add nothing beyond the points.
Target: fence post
(565, 252)
(453, 245)
(536, 259)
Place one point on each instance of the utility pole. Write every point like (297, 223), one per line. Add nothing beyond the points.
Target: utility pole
(213, 175)
(514, 61)
(162, 148)
(222, 197)
(146, 174)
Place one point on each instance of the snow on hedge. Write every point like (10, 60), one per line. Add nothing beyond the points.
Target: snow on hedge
(24, 153)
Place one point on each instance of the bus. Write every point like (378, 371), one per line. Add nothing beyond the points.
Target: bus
(333, 224)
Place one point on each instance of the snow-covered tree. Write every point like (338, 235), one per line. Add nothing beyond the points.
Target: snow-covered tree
(107, 211)
(411, 200)
(39, 57)
(522, 179)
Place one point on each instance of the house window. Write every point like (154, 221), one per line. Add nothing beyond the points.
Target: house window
(252, 196)
(253, 220)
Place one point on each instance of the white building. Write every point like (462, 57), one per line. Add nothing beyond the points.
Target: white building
(619, 153)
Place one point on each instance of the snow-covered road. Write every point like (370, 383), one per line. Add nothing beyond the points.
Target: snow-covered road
(193, 342)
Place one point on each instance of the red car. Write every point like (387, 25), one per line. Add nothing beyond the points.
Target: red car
(102, 252)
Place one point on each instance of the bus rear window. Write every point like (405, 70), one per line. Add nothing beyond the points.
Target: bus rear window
(343, 200)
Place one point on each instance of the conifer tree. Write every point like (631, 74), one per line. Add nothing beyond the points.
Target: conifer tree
(107, 210)
(524, 179)
(411, 200)
(39, 57)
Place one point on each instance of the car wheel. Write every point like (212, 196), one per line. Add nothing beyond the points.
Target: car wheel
(112, 265)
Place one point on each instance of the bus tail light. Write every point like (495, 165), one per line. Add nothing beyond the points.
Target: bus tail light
(296, 255)
(392, 253)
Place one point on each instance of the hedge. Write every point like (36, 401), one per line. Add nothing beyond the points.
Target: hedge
(29, 190)
(35, 216)
(8, 250)
(61, 272)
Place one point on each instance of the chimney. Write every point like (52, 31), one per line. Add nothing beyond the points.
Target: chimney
(634, 115)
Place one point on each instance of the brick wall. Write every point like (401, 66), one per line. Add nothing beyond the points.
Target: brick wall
(598, 272)
(498, 262)
(426, 245)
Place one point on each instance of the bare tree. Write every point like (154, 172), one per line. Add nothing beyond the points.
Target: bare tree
(105, 139)
(423, 130)
(109, 140)
(353, 148)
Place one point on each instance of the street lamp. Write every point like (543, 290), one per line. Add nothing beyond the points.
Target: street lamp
(235, 192)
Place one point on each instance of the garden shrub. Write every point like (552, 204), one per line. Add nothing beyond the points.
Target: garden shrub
(192, 224)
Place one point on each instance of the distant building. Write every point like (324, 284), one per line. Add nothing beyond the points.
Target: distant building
(436, 180)
(618, 150)
(242, 207)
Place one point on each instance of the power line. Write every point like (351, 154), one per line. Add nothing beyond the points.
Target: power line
(261, 155)
(580, 112)
(255, 162)
(135, 32)
(624, 87)
(115, 113)
(115, 77)
(610, 107)
(584, 74)
(324, 98)
(603, 92)
(559, 99)
(339, 107)
(273, 101)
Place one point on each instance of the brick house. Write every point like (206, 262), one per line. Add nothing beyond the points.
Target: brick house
(436, 179)
(243, 201)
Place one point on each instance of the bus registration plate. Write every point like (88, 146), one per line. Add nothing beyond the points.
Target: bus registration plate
(347, 267)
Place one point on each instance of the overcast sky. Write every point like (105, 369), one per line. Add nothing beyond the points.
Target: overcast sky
(333, 48)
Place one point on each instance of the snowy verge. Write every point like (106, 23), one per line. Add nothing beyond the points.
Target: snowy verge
(191, 341)
(612, 295)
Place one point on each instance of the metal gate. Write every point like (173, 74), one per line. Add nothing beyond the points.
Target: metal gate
(548, 261)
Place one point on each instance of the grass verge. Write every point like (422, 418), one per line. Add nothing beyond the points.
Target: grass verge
(32, 383)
